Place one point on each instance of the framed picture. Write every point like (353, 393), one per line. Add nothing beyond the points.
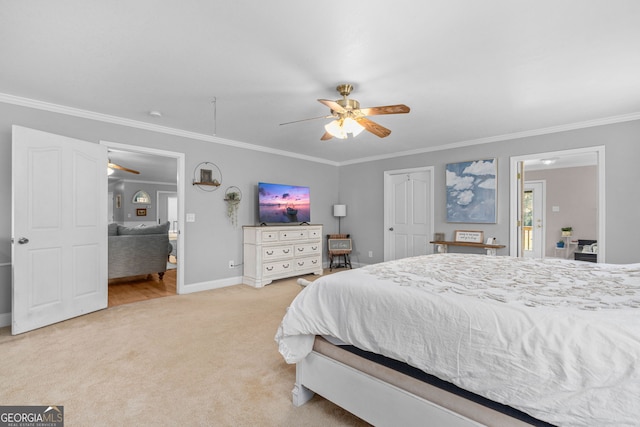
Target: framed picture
(468, 236)
(141, 212)
(118, 201)
(471, 191)
(339, 245)
(206, 175)
(438, 237)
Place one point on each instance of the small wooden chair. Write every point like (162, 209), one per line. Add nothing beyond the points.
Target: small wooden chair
(339, 245)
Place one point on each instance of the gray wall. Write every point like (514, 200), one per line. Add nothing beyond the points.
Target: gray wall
(361, 188)
(211, 241)
(573, 191)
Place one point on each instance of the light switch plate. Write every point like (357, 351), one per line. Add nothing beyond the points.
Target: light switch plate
(191, 217)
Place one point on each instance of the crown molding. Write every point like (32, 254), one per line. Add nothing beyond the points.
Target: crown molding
(517, 135)
(56, 108)
(86, 114)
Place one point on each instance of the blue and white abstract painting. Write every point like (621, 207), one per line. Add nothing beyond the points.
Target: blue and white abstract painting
(471, 191)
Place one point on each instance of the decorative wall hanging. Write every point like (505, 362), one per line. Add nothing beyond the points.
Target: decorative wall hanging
(141, 197)
(471, 191)
(233, 196)
(207, 176)
(141, 212)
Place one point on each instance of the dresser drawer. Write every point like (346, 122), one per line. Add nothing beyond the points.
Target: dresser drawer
(269, 236)
(294, 235)
(307, 263)
(307, 249)
(277, 267)
(276, 252)
(315, 233)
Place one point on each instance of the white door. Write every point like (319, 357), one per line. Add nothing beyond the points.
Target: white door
(167, 208)
(533, 219)
(408, 213)
(110, 216)
(59, 228)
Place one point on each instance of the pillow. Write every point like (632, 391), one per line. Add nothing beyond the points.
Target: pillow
(154, 229)
(112, 230)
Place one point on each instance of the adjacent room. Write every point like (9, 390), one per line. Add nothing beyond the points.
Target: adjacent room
(331, 213)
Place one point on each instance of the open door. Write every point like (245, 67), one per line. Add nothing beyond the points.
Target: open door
(59, 228)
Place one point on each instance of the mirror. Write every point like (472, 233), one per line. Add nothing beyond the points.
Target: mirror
(141, 197)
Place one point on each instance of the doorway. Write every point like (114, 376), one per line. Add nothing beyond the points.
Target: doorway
(593, 156)
(408, 212)
(533, 219)
(178, 223)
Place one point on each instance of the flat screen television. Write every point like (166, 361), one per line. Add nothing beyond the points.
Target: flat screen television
(281, 203)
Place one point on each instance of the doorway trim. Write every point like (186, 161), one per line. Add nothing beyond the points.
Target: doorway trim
(540, 198)
(180, 189)
(513, 194)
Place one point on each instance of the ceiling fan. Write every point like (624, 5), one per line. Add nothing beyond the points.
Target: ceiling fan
(112, 166)
(350, 118)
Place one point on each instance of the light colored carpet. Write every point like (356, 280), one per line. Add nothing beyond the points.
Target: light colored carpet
(203, 359)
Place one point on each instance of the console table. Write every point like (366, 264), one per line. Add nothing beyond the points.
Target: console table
(443, 245)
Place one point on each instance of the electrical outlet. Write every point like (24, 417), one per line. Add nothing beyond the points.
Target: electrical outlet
(370, 254)
(232, 264)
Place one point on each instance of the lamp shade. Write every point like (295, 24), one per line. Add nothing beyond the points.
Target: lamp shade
(336, 130)
(339, 210)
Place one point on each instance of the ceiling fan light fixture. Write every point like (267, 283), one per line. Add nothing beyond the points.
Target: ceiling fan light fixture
(335, 129)
(352, 127)
(341, 128)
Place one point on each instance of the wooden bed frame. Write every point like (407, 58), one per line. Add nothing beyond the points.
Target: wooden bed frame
(383, 396)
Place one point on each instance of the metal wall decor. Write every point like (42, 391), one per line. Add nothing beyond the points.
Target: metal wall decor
(207, 176)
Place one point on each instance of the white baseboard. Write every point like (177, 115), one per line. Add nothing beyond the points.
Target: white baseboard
(209, 285)
(5, 318)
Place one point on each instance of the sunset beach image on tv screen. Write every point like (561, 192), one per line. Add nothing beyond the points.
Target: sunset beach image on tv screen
(279, 203)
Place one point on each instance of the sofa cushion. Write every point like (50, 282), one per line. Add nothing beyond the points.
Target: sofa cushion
(154, 229)
(113, 229)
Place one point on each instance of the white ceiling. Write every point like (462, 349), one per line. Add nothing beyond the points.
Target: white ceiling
(471, 71)
(152, 168)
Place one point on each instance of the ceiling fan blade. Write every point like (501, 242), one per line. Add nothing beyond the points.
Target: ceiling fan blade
(122, 168)
(304, 120)
(374, 128)
(387, 109)
(327, 136)
(333, 105)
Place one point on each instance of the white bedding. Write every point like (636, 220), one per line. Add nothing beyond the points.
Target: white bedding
(557, 339)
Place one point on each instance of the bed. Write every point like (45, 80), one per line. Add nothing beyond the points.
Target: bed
(555, 340)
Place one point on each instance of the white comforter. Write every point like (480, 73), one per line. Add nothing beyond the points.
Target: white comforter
(559, 340)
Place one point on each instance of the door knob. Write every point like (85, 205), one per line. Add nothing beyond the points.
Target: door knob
(390, 228)
(23, 240)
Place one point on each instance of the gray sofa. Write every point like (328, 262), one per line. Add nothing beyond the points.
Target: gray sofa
(138, 250)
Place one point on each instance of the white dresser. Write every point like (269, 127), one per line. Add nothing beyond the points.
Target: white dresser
(276, 252)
